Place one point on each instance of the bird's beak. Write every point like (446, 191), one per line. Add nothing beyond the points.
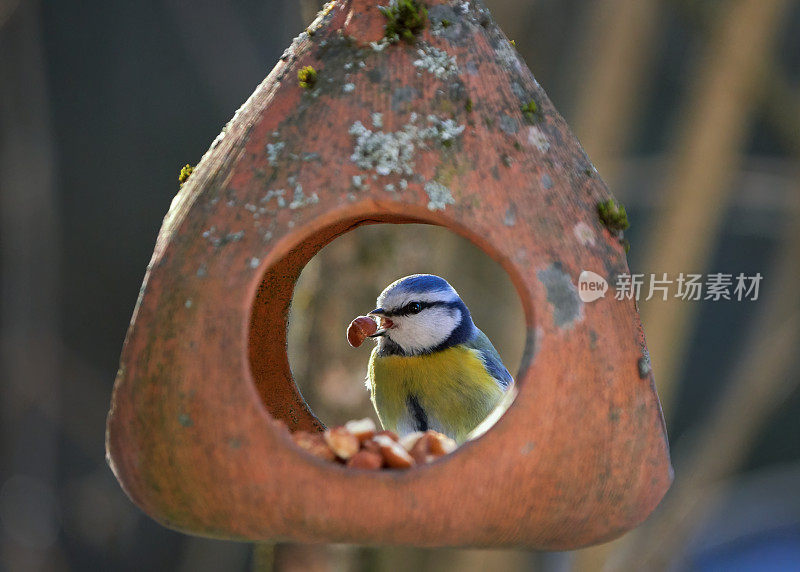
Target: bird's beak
(383, 322)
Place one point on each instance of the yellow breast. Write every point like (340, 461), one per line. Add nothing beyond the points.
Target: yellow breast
(452, 386)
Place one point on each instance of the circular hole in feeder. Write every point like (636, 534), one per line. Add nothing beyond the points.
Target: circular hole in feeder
(343, 281)
(324, 385)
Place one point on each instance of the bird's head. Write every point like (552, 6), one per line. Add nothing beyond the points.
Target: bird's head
(420, 314)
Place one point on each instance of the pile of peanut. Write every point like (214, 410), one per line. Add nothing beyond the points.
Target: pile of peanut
(360, 445)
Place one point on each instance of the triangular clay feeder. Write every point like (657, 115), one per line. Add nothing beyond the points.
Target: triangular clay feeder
(435, 132)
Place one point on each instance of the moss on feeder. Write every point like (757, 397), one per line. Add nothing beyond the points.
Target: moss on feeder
(468, 105)
(404, 20)
(612, 215)
(186, 171)
(307, 77)
(529, 111)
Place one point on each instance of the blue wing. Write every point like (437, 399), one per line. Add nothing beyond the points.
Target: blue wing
(491, 359)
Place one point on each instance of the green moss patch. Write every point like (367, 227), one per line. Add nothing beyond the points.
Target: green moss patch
(186, 171)
(529, 111)
(404, 20)
(307, 77)
(612, 215)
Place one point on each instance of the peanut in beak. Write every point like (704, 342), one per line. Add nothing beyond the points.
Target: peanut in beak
(384, 324)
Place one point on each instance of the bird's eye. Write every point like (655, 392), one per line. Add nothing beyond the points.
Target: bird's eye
(414, 307)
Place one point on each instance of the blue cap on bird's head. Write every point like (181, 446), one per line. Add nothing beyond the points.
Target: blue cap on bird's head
(419, 314)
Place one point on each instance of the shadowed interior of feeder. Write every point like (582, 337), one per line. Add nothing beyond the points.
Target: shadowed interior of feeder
(321, 372)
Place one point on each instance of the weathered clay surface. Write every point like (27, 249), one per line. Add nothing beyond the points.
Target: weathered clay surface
(429, 133)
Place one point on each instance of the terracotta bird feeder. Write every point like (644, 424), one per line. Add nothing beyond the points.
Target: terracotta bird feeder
(444, 126)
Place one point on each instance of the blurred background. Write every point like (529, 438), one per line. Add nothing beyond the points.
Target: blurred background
(690, 109)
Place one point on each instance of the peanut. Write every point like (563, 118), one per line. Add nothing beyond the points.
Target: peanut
(393, 453)
(359, 329)
(366, 460)
(390, 434)
(441, 444)
(363, 429)
(313, 443)
(343, 443)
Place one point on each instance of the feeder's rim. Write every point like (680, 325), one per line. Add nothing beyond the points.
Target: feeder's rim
(361, 213)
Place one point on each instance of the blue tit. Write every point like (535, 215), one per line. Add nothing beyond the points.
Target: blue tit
(432, 368)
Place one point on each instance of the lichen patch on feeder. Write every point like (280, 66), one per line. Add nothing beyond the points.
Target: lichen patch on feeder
(218, 139)
(393, 152)
(217, 241)
(439, 195)
(446, 130)
(273, 150)
(508, 124)
(439, 28)
(562, 295)
(358, 182)
(584, 233)
(379, 46)
(507, 55)
(643, 365)
(538, 139)
(387, 153)
(300, 199)
(510, 218)
(436, 62)
(274, 194)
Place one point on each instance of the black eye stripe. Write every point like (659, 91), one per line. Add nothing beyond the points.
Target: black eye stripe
(411, 308)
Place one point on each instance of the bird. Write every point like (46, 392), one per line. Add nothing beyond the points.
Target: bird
(432, 368)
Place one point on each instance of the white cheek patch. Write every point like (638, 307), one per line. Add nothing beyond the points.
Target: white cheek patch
(416, 333)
